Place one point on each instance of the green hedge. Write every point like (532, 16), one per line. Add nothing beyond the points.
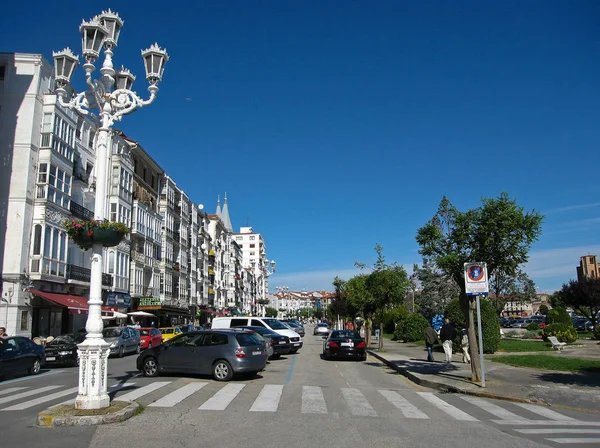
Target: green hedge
(392, 317)
(597, 331)
(559, 316)
(489, 323)
(563, 332)
(533, 326)
(412, 328)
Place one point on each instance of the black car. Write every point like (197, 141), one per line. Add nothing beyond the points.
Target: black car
(344, 344)
(63, 349)
(20, 354)
(281, 344)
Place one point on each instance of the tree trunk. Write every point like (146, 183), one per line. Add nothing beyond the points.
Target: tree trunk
(367, 325)
(380, 334)
(473, 342)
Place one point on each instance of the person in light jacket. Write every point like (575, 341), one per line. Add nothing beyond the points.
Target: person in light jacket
(464, 344)
(447, 335)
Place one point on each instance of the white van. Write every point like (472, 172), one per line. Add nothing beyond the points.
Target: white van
(268, 322)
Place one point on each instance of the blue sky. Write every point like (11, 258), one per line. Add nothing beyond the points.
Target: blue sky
(337, 125)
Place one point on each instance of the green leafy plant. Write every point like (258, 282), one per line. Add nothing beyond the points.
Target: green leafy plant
(76, 227)
(533, 326)
(597, 332)
(562, 332)
(412, 328)
(392, 317)
(559, 316)
(489, 324)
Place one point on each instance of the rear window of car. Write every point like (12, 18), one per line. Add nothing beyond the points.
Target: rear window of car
(166, 330)
(247, 339)
(345, 334)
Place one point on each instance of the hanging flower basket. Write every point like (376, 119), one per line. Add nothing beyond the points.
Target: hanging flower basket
(86, 233)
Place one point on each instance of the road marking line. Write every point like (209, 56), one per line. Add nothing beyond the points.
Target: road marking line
(36, 401)
(110, 389)
(32, 377)
(357, 403)
(27, 394)
(268, 399)
(576, 440)
(342, 374)
(544, 412)
(546, 422)
(11, 389)
(291, 371)
(135, 394)
(446, 407)
(407, 409)
(177, 396)
(559, 431)
(220, 400)
(313, 401)
(493, 409)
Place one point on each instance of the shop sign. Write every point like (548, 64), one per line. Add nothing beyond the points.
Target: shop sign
(149, 301)
(118, 299)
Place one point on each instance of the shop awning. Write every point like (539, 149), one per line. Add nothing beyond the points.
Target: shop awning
(75, 304)
(211, 312)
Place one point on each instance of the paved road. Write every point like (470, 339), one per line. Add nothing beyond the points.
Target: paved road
(299, 401)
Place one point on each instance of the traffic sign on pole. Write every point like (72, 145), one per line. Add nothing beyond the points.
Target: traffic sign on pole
(476, 279)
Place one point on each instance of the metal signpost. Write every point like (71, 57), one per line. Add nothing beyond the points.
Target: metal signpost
(476, 284)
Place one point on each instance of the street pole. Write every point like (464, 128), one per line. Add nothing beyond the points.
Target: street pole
(480, 341)
(113, 98)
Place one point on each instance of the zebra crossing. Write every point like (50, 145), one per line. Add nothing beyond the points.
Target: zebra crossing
(205, 396)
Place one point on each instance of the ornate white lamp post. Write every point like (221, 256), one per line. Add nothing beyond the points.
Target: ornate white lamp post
(265, 275)
(112, 97)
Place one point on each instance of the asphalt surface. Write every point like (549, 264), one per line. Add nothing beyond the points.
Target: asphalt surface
(299, 400)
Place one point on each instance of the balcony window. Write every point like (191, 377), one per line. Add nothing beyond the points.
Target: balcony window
(55, 254)
(59, 189)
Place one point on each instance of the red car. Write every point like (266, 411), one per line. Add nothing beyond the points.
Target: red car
(149, 337)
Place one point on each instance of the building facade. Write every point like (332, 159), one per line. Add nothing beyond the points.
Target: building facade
(588, 267)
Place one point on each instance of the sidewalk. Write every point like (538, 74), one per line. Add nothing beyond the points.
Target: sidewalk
(575, 390)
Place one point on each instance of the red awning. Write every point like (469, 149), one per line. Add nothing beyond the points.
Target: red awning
(214, 313)
(75, 304)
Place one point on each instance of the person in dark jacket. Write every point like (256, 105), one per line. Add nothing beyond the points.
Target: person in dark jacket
(447, 335)
(431, 338)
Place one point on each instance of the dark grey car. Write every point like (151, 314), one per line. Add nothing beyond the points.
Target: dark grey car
(220, 353)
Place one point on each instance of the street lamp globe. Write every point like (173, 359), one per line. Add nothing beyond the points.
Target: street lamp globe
(92, 38)
(112, 23)
(154, 62)
(124, 79)
(65, 63)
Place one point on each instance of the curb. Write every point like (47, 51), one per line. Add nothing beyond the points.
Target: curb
(448, 388)
(47, 418)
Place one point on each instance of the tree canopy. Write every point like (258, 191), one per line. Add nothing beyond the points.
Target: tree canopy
(583, 296)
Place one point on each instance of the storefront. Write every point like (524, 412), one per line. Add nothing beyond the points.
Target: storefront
(54, 314)
(166, 316)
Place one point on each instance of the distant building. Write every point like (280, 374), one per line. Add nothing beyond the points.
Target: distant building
(588, 267)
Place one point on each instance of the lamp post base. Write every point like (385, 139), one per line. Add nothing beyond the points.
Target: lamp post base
(93, 366)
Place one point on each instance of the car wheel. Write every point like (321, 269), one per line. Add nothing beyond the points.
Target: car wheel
(138, 349)
(121, 352)
(276, 356)
(222, 370)
(325, 355)
(150, 367)
(35, 368)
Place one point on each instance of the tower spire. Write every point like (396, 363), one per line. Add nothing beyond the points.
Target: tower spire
(219, 205)
(225, 216)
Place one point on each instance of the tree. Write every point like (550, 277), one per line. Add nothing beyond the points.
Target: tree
(437, 290)
(543, 310)
(504, 288)
(361, 300)
(387, 285)
(499, 232)
(583, 296)
(270, 312)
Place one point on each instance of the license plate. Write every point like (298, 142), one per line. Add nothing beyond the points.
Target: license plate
(50, 358)
(257, 353)
(297, 344)
(281, 342)
(347, 344)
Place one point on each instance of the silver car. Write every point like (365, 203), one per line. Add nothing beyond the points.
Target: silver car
(321, 329)
(122, 340)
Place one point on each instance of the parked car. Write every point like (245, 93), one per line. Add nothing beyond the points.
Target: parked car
(169, 332)
(20, 354)
(63, 349)
(149, 337)
(295, 325)
(122, 340)
(582, 324)
(281, 344)
(186, 328)
(321, 329)
(344, 344)
(220, 353)
(267, 322)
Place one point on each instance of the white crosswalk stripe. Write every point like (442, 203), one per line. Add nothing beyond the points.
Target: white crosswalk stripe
(544, 412)
(573, 440)
(11, 390)
(558, 431)
(407, 409)
(220, 400)
(137, 393)
(357, 403)
(111, 389)
(178, 395)
(446, 407)
(492, 408)
(313, 401)
(41, 400)
(268, 399)
(29, 393)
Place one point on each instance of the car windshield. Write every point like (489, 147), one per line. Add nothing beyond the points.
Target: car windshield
(247, 339)
(63, 339)
(261, 330)
(112, 332)
(144, 332)
(345, 334)
(322, 325)
(275, 324)
(166, 330)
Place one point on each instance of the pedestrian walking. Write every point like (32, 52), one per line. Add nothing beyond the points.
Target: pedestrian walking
(447, 335)
(431, 338)
(464, 344)
(3, 332)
